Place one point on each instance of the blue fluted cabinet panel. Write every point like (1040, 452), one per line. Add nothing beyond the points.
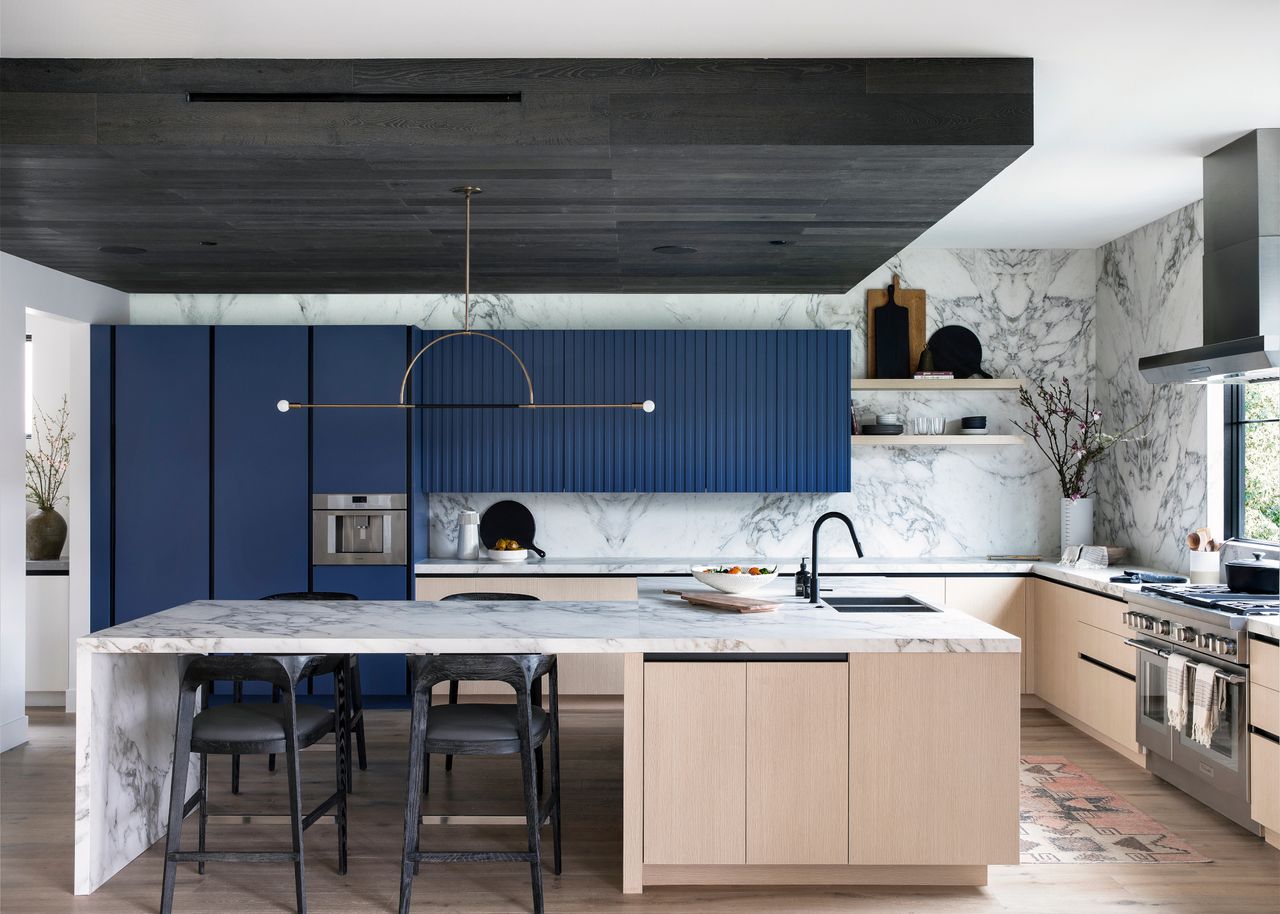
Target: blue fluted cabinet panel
(261, 508)
(162, 519)
(737, 411)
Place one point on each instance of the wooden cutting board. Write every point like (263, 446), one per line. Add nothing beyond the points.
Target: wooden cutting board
(911, 299)
(728, 601)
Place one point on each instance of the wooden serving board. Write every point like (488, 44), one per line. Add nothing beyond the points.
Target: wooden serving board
(911, 299)
(728, 601)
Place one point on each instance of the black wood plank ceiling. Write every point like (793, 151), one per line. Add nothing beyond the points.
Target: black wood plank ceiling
(598, 175)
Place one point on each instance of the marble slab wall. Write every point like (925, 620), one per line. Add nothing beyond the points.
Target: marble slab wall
(1149, 300)
(1032, 309)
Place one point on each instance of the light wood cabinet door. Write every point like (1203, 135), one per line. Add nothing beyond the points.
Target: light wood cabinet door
(579, 674)
(1264, 663)
(797, 762)
(1001, 602)
(1264, 782)
(695, 791)
(933, 758)
(1054, 647)
(1106, 703)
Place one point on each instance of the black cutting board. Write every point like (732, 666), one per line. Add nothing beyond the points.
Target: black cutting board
(508, 520)
(892, 339)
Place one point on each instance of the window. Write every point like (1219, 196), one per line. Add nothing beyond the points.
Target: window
(1252, 452)
(29, 393)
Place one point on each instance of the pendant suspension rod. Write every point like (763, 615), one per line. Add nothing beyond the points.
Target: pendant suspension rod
(467, 190)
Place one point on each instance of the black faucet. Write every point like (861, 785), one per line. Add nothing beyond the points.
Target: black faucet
(813, 575)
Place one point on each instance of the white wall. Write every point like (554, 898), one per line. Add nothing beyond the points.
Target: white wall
(25, 285)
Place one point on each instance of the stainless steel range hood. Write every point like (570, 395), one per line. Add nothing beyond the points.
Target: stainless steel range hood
(1241, 269)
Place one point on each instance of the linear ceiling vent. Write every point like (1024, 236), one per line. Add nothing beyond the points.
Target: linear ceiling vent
(396, 98)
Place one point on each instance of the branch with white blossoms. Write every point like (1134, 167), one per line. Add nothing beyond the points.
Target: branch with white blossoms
(47, 462)
(1069, 433)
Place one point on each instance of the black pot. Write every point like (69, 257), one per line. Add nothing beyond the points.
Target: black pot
(1258, 576)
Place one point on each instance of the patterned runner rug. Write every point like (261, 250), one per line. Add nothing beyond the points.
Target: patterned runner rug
(1068, 817)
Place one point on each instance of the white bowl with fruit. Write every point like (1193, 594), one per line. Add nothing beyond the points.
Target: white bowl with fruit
(735, 578)
(507, 550)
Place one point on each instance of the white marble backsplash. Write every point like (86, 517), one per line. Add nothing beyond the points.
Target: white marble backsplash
(1149, 300)
(1032, 309)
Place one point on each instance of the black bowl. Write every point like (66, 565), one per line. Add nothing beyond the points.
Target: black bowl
(973, 422)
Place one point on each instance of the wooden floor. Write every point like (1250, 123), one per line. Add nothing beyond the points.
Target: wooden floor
(36, 842)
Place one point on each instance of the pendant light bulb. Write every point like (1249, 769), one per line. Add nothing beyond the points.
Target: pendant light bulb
(648, 406)
(283, 406)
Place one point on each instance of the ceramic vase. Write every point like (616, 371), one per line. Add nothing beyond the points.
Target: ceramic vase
(46, 535)
(1077, 522)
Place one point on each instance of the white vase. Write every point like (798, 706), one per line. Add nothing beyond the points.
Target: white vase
(1077, 522)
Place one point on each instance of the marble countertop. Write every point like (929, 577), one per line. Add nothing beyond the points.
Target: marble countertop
(1269, 626)
(1091, 579)
(655, 622)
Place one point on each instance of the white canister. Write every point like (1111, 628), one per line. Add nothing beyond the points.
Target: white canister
(469, 535)
(1205, 567)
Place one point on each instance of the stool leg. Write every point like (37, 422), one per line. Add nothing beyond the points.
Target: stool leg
(453, 700)
(295, 801)
(537, 758)
(357, 710)
(342, 760)
(237, 696)
(527, 766)
(177, 794)
(555, 774)
(413, 799)
(204, 805)
(275, 700)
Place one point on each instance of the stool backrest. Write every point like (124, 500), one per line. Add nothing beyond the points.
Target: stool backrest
(487, 596)
(328, 595)
(520, 671)
(282, 670)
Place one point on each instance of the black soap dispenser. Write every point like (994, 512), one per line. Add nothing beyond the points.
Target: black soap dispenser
(802, 580)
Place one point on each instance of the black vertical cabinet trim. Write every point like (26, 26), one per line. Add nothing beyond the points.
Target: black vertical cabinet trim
(410, 504)
(213, 396)
(311, 362)
(111, 462)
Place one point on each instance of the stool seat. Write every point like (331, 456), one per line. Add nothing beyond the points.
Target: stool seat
(492, 727)
(226, 729)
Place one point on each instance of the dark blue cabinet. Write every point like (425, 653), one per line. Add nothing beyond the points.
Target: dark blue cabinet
(101, 455)
(737, 411)
(261, 504)
(359, 450)
(161, 525)
(380, 674)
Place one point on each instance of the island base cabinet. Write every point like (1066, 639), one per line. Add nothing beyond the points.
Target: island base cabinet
(1264, 785)
(695, 778)
(933, 758)
(797, 762)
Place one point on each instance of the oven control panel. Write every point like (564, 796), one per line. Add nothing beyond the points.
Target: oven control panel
(1181, 633)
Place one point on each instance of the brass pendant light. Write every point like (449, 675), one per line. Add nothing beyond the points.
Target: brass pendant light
(467, 191)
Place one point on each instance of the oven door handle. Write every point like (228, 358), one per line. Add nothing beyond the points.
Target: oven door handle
(1230, 678)
(1143, 647)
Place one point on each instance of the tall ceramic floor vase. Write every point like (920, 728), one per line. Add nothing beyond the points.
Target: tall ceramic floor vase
(1077, 522)
(46, 535)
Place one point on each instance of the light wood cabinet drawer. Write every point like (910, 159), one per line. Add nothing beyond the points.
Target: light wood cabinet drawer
(1100, 612)
(1264, 664)
(1106, 703)
(1108, 648)
(1264, 781)
(1264, 708)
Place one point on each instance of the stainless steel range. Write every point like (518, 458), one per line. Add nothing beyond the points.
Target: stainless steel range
(1206, 624)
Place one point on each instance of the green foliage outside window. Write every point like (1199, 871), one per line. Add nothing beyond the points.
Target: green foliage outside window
(1262, 461)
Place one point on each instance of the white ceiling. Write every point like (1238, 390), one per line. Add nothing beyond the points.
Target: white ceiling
(1129, 93)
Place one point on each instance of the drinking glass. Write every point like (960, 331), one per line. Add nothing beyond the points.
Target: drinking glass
(921, 425)
(937, 425)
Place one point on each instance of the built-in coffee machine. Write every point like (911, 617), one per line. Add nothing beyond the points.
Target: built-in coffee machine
(358, 529)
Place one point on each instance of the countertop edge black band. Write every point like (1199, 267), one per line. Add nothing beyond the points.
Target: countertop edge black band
(1265, 639)
(48, 572)
(747, 657)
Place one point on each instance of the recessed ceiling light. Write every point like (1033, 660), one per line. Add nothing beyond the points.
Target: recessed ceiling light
(779, 242)
(674, 249)
(209, 244)
(121, 249)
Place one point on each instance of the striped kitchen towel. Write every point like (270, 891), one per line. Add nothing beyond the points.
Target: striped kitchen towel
(1175, 691)
(1208, 703)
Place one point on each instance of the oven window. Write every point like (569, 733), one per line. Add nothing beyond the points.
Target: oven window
(1225, 746)
(1153, 692)
(1252, 459)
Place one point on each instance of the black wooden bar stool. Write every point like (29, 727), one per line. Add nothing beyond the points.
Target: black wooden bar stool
(354, 692)
(484, 729)
(255, 729)
(475, 597)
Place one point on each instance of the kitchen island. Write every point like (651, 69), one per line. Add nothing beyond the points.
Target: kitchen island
(800, 746)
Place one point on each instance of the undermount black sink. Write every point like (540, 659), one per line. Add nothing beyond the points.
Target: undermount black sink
(877, 604)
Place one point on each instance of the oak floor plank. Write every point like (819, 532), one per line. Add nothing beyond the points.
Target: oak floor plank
(36, 842)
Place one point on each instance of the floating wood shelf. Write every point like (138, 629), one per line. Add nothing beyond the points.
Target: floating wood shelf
(937, 384)
(934, 440)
